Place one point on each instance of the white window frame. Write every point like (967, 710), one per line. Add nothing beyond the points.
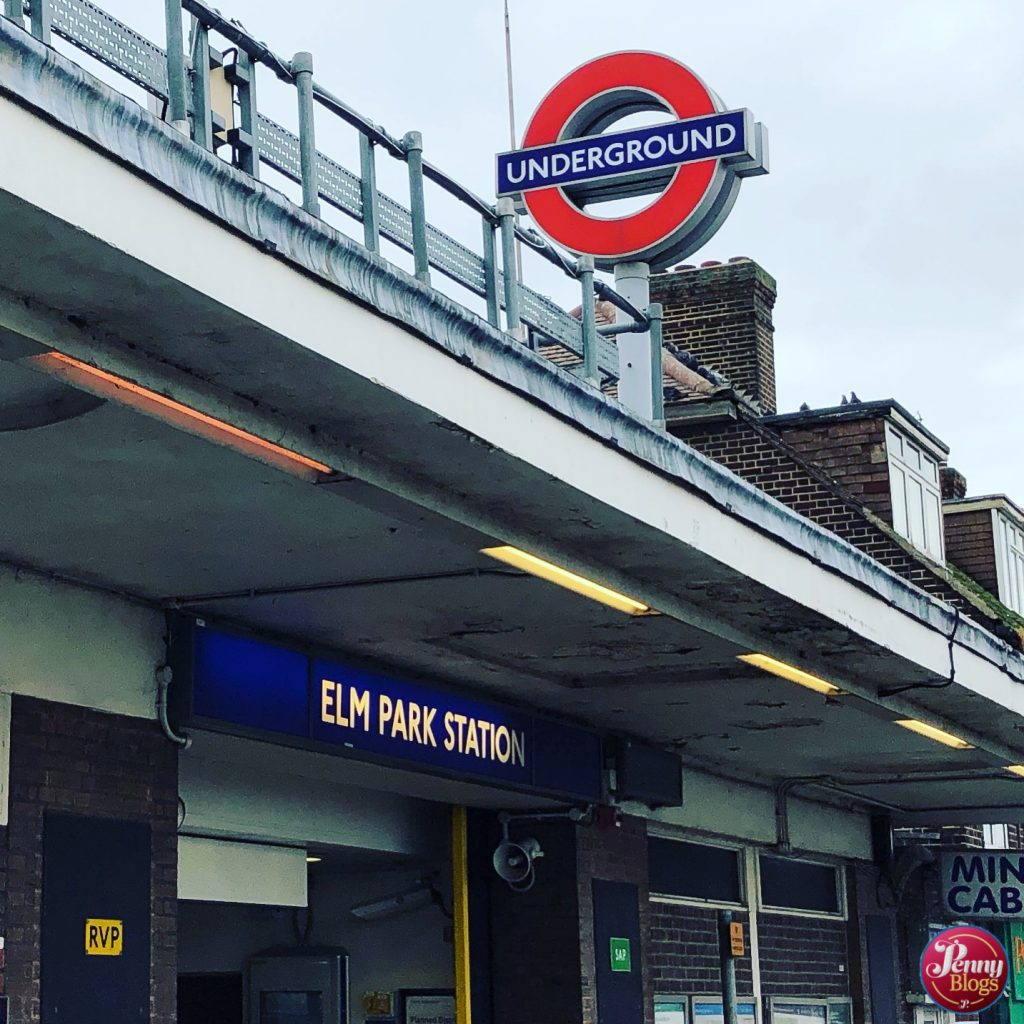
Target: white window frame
(1008, 536)
(840, 875)
(907, 461)
(995, 837)
(696, 901)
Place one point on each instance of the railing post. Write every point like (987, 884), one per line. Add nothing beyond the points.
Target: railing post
(15, 10)
(507, 216)
(40, 18)
(177, 102)
(491, 273)
(413, 143)
(302, 68)
(655, 313)
(588, 318)
(368, 194)
(202, 115)
(245, 138)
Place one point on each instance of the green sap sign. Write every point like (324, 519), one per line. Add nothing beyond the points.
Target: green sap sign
(622, 959)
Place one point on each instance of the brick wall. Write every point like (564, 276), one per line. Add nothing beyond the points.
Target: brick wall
(802, 956)
(722, 315)
(759, 456)
(684, 951)
(83, 762)
(971, 547)
(799, 956)
(853, 453)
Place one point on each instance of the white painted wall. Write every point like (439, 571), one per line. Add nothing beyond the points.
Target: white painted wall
(407, 951)
(77, 646)
(226, 798)
(226, 872)
(735, 810)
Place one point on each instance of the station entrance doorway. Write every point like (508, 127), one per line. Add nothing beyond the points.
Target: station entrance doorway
(373, 943)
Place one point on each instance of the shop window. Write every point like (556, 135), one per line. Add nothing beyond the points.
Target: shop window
(800, 886)
(811, 1011)
(708, 1010)
(694, 871)
(1010, 563)
(671, 1010)
(916, 496)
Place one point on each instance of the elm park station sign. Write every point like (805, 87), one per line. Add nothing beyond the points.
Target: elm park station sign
(695, 161)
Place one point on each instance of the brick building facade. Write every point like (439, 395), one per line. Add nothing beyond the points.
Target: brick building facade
(73, 761)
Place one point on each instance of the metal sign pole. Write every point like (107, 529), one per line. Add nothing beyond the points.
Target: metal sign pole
(636, 370)
(728, 965)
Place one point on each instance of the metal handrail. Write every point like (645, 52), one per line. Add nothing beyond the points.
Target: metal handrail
(166, 75)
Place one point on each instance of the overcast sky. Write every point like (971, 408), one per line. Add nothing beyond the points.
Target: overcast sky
(892, 217)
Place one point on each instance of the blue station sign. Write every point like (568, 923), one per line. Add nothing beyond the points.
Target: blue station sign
(228, 682)
(634, 153)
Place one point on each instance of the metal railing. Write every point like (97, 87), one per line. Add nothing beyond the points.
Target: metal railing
(182, 84)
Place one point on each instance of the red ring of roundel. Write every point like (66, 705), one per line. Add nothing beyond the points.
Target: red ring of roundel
(685, 95)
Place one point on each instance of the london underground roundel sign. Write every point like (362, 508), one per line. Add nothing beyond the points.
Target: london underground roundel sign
(965, 969)
(694, 161)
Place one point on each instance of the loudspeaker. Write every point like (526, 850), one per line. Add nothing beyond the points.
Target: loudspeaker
(514, 861)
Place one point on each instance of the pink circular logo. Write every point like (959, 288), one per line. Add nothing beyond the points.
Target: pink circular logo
(965, 969)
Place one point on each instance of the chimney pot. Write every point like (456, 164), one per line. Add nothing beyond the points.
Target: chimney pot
(711, 263)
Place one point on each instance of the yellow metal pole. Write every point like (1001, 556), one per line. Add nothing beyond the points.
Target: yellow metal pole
(460, 901)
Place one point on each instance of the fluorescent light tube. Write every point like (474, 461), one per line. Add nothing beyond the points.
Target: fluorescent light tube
(120, 389)
(939, 735)
(570, 580)
(792, 673)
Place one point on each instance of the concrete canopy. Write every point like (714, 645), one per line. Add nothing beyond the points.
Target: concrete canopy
(127, 249)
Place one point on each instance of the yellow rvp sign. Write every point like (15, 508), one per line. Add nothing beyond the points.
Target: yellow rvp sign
(103, 937)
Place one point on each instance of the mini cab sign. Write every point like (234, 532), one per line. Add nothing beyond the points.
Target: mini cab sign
(103, 937)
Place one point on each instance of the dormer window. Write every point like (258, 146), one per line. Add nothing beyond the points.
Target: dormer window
(1010, 561)
(916, 494)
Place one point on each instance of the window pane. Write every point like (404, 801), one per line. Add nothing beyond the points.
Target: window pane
(291, 1007)
(913, 456)
(1017, 575)
(933, 524)
(799, 885)
(895, 442)
(915, 511)
(694, 870)
(899, 500)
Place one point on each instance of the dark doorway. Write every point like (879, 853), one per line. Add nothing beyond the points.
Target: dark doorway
(210, 999)
(620, 987)
(95, 921)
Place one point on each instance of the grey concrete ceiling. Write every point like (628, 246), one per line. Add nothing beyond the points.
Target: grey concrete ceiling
(102, 493)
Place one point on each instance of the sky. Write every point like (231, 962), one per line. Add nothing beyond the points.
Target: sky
(890, 218)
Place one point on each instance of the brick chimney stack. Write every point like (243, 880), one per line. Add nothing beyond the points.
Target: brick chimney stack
(954, 483)
(721, 313)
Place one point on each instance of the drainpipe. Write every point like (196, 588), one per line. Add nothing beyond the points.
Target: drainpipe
(164, 675)
(783, 843)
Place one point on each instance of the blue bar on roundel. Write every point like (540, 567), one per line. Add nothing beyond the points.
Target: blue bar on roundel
(619, 154)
